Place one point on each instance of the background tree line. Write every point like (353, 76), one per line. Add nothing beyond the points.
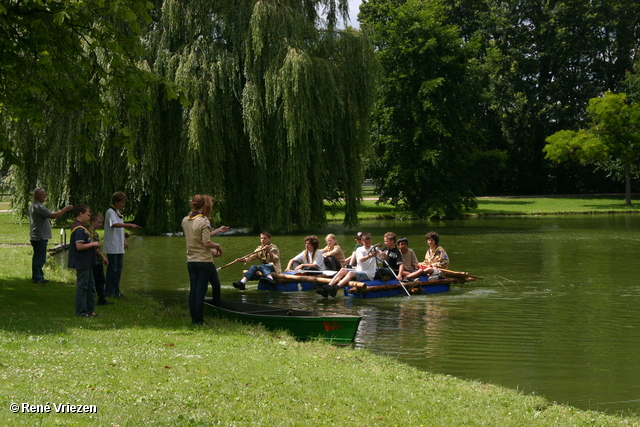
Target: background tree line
(473, 88)
(272, 109)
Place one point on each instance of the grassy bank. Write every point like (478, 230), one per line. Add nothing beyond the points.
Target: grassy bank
(143, 363)
(601, 204)
(517, 206)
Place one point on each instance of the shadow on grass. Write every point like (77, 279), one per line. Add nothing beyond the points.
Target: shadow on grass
(511, 202)
(35, 309)
(376, 209)
(615, 207)
(30, 307)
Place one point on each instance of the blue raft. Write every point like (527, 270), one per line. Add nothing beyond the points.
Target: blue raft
(393, 288)
(288, 282)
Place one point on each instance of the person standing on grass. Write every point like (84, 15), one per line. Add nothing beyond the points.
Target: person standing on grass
(82, 257)
(95, 222)
(115, 243)
(200, 253)
(40, 232)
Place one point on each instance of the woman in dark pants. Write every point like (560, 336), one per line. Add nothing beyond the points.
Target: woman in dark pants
(200, 253)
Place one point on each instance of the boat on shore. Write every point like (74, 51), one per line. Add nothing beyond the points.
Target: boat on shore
(302, 324)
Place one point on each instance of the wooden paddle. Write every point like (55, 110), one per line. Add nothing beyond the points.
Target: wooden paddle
(460, 273)
(399, 279)
(254, 252)
(295, 278)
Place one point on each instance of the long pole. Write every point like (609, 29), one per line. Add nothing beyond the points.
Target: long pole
(254, 252)
(397, 278)
(460, 273)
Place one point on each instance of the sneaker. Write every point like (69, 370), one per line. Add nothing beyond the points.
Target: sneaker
(269, 279)
(239, 285)
(322, 291)
(333, 291)
(105, 302)
(119, 295)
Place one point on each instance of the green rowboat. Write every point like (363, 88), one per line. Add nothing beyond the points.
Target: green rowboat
(302, 324)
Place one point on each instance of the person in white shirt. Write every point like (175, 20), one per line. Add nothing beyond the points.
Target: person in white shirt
(309, 259)
(114, 243)
(365, 269)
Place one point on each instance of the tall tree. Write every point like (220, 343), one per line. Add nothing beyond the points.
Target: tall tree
(65, 65)
(547, 59)
(64, 56)
(273, 116)
(612, 139)
(428, 132)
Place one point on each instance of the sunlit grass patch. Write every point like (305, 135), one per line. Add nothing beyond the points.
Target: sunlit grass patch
(553, 205)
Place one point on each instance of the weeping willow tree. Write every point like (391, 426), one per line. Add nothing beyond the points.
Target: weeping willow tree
(271, 117)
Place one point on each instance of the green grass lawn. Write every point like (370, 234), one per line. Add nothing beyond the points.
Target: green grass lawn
(505, 206)
(142, 363)
(553, 205)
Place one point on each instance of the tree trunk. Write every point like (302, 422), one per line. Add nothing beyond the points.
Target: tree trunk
(627, 184)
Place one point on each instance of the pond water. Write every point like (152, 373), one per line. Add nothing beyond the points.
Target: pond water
(557, 314)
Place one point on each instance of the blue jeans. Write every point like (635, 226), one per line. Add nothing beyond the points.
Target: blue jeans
(114, 272)
(85, 292)
(199, 275)
(215, 286)
(265, 269)
(98, 278)
(38, 259)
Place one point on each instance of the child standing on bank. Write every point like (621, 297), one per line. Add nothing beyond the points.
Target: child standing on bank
(98, 269)
(82, 257)
(115, 243)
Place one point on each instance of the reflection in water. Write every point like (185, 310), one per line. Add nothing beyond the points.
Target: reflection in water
(558, 313)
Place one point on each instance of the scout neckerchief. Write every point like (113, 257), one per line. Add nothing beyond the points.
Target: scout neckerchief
(84, 228)
(194, 215)
(94, 235)
(117, 211)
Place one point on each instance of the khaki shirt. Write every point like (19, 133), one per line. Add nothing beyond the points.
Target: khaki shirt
(197, 231)
(336, 252)
(437, 257)
(270, 257)
(409, 260)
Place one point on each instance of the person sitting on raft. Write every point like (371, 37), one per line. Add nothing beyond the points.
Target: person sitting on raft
(269, 258)
(409, 258)
(365, 269)
(435, 258)
(392, 258)
(332, 253)
(310, 258)
(351, 261)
